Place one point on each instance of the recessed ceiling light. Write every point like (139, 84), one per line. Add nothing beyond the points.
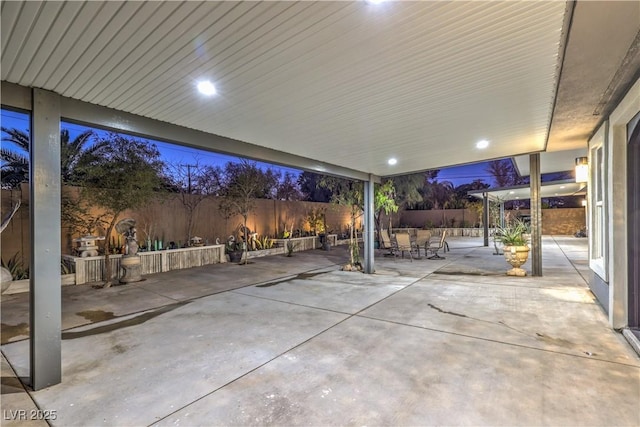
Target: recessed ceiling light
(206, 88)
(517, 198)
(511, 192)
(562, 186)
(375, 1)
(482, 144)
(392, 161)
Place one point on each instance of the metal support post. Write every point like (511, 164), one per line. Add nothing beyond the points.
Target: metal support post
(536, 215)
(45, 310)
(485, 217)
(368, 226)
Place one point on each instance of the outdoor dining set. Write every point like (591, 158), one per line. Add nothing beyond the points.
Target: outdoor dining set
(404, 241)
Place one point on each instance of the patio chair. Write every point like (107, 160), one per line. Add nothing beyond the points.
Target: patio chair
(435, 247)
(386, 242)
(403, 241)
(422, 240)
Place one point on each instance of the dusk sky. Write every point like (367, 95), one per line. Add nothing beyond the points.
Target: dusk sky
(177, 154)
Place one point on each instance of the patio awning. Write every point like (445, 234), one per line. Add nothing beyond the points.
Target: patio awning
(561, 188)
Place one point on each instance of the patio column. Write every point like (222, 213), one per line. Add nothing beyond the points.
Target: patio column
(485, 217)
(45, 310)
(368, 226)
(536, 215)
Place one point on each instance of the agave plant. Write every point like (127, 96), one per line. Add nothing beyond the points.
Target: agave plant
(513, 234)
(264, 242)
(16, 267)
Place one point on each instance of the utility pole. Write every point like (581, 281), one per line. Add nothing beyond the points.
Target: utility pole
(189, 176)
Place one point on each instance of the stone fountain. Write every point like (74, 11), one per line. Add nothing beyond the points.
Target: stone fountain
(130, 261)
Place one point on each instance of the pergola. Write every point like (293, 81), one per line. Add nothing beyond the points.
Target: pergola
(333, 87)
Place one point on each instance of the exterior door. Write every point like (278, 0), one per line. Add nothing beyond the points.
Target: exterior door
(633, 216)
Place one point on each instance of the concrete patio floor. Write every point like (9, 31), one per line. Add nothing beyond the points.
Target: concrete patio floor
(295, 341)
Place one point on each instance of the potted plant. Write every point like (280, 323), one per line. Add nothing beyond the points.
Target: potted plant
(234, 249)
(515, 245)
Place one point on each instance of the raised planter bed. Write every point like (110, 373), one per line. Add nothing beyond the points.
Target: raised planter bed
(300, 243)
(20, 286)
(90, 269)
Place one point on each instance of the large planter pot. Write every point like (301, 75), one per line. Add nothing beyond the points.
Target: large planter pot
(235, 256)
(516, 256)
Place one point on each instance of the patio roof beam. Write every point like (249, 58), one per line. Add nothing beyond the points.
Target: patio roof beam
(93, 115)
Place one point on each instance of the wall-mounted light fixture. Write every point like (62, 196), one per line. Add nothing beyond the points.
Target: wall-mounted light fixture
(582, 169)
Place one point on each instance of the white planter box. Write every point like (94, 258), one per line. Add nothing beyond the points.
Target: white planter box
(90, 269)
(20, 286)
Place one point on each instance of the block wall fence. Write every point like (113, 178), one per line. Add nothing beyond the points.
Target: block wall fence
(166, 219)
(563, 221)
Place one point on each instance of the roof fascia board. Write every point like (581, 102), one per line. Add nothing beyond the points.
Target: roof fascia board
(562, 50)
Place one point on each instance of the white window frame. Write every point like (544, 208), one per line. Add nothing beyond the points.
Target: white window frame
(597, 206)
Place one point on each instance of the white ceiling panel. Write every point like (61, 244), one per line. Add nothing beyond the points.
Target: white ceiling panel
(347, 83)
(563, 188)
(552, 161)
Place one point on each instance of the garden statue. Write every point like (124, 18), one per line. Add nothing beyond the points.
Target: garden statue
(196, 241)
(130, 261)
(87, 245)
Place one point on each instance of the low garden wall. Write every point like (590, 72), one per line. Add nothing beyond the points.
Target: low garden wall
(90, 269)
(452, 232)
(20, 286)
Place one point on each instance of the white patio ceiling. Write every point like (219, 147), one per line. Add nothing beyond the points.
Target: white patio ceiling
(348, 83)
(562, 188)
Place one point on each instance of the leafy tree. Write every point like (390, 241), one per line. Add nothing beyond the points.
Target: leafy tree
(463, 189)
(384, 201)
(195, 183)
(407, 189)
(265, 181)
(347, 193)
(460, 198)
(243, 182)
(310, 188)
(124, 173)
(288, 188)
(270, 183)
(76, 213)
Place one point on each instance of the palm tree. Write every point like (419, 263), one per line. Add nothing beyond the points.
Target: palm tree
(504, 173)
(15, 165)
(71, 153)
